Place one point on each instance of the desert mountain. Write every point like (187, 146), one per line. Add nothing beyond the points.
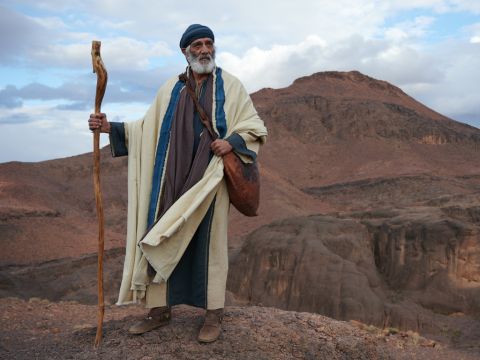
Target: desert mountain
(336, 127)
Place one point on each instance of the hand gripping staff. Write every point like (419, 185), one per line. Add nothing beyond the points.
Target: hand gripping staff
(102, 77)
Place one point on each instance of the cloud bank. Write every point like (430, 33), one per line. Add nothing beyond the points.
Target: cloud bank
(47, 84)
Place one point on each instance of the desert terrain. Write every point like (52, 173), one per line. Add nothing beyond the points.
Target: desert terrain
(367, 245)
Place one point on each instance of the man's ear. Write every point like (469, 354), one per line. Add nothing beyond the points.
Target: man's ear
(184, 51)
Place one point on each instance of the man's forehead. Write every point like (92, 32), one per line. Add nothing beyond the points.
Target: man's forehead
(202, 40)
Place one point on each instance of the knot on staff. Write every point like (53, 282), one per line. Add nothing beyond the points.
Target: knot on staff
(102, 77)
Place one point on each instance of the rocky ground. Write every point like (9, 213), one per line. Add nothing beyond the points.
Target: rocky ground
(39, 329)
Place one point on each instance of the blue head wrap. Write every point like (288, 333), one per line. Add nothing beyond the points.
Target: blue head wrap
(194, 32)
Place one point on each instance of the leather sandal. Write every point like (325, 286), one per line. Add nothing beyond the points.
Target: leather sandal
(212, 326)
(156, 318)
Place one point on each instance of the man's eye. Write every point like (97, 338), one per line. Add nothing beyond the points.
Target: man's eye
(199, 45)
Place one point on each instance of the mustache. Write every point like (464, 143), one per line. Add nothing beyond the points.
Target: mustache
(201, 63)
(203, 57)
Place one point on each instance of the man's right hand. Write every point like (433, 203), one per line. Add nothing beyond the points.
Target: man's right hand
(99, 121)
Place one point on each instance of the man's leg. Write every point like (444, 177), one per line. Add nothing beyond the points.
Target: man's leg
(217, 268)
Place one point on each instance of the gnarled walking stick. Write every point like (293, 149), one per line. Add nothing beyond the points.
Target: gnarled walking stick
(99, 69)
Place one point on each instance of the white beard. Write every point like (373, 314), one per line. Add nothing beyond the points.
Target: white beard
(198, 66)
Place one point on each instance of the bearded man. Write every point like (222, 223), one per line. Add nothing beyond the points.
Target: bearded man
(178, 203)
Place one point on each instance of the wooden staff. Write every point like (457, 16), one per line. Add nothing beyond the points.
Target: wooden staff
(102, 77)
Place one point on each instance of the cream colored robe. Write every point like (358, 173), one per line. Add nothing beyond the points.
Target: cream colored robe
(164, 245)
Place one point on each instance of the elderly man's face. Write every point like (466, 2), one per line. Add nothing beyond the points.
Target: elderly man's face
(201, 48)
(201, 55)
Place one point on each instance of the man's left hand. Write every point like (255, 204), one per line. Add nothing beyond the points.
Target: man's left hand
(221, 147)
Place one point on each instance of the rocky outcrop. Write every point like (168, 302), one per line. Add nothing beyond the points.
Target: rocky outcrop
(372, 266)
(432, 258)
(64, 279)
(11, 213)
(398, 191)
(318, 264)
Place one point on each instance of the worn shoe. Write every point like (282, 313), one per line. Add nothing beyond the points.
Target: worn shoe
(156, 318)
(212, 326)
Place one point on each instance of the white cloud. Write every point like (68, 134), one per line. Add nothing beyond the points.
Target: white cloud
(118, 25)
(253, 21)
(465, 5)
(279, 66)
(119, 53)
(439, 6)
(409, 30)
(20, 34)
(51, 23)
(47, 133)
(473, 32)
(461, 79)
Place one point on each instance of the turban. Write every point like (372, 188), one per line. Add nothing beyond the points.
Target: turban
(194, 32)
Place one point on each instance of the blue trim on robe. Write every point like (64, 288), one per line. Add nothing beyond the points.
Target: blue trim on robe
(220, 119)
(161, 153)
(117, 139)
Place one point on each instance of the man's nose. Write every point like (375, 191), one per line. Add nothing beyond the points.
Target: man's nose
(205, 49)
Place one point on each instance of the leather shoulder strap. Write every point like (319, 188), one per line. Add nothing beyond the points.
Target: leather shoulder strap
(203, 115)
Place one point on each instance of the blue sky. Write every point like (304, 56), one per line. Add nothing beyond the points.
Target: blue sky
(429, 48)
